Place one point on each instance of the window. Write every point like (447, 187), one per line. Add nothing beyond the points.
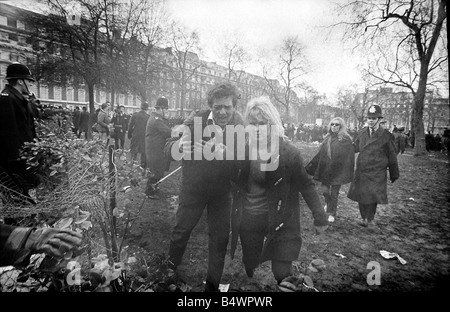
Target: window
(20, 25)
(12, 22)
(69, 94)
(13, 37)
(14, 57)
(43, 91)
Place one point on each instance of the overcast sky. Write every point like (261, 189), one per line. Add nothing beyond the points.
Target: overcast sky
(264, 23)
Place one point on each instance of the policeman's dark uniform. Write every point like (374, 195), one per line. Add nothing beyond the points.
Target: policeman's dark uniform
(16, 127)
(120, 124)
(157, 132)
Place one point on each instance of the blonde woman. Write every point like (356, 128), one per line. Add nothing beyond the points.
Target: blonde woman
(266, 212)
(334, 164)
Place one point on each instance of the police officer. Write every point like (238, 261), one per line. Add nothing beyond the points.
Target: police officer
(16, 127)
(377, 155)
(157, 132)
(120, 125)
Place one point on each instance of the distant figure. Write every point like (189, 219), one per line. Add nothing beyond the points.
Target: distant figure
(103, 121)
(156, 134)
(76, 119)
(136, 133)
(84, 123)
(334, 164)
(120, 126)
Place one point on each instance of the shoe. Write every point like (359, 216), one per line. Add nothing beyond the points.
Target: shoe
(154, 196)
(331, 219)
(363, 222)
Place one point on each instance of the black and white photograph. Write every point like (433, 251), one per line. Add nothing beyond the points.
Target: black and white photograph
(246, 148)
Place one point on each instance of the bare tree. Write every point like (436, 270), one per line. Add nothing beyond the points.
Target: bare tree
(185, 49)
(235, 56)
(74, 49)
(345, 99)
(286, 73)
(361, 103)
(405, 35)
(143, 57)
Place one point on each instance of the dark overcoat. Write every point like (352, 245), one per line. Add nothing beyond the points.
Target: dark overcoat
(120, 124)
(336, 165)
(84, 121)
(377, 155)
(16, 124)
(283, 186)
(156, 134)
(136, 132)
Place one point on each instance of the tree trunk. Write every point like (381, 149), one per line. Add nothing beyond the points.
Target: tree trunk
(182, 99)
(419, 98)
(90, 86)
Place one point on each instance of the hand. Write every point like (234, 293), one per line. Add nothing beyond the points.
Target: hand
(320, 229)
(53, 242)
(185, 144)
(198, 146)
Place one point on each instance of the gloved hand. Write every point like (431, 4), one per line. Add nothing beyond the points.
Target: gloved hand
(185, 144)
(320, 229)
(54, 242)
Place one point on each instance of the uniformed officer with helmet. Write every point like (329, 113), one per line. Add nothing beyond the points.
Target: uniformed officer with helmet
(377, 156)
(156, 134)
(16, 127)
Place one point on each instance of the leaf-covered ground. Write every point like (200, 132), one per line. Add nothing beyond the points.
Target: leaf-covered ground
(415, 225)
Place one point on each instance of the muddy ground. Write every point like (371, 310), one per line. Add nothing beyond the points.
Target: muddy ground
(415, 225)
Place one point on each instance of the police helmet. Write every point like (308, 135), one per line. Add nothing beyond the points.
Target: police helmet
(374, 111)
(18, 71)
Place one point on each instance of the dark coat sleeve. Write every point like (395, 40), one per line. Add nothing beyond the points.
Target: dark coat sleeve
(307, 189)
(12, 243)
(131, 126)
(391, 151)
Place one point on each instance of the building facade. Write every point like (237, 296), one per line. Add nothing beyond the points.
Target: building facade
(17, 46)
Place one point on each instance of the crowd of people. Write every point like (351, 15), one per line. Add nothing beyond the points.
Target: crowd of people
(256, 197)
(309, 133)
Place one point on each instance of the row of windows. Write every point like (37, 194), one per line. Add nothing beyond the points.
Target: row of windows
(11, 22)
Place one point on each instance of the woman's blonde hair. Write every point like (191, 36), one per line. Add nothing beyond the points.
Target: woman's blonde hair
(342, 133)
(263, 106)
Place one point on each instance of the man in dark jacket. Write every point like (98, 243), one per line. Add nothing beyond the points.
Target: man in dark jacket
(16, 128)
(120, 126)
(136, 133)
(76, 119)
(84, 122)
(377, 153)
(206, 183)
(156, 134)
